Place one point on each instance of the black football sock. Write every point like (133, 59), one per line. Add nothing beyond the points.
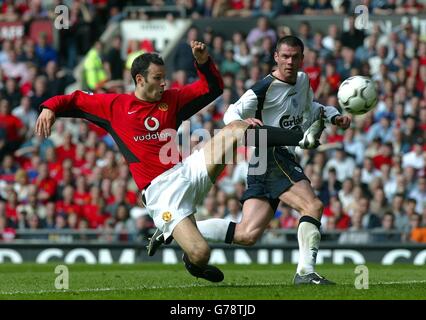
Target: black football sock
(274, 136)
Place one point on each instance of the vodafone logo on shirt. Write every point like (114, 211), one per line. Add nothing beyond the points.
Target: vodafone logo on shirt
(152, 124)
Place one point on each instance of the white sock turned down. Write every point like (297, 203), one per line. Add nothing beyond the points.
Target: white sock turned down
(213, 229)
(309, 238)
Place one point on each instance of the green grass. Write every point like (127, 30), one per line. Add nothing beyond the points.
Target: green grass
(170, 282)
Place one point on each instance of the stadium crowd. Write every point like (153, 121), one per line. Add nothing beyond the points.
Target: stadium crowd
(371, 177)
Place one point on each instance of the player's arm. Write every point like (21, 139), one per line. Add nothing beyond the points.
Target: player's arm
(195, 96)
(93, 107)
(244, 108)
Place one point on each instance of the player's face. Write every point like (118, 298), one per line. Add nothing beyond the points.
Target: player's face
(152, 88)
(289, 61)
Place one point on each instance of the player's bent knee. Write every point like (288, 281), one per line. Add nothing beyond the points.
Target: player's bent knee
(247, 238)
(314, 208)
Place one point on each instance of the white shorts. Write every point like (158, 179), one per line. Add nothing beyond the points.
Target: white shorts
(175, 194)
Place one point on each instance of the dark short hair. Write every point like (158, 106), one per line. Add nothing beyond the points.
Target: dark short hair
(141, 64)
(291, 41)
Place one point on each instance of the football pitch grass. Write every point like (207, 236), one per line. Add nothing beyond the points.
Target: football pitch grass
(172, 282)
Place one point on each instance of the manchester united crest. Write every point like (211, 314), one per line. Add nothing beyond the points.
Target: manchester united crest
(167, 216)
(163, 106)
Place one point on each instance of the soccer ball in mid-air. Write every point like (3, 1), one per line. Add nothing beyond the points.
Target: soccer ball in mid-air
(357, 95)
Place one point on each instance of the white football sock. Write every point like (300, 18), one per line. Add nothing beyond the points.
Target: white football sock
(214, 229)
(309, 238)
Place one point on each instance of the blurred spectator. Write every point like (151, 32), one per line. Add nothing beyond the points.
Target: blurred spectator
(319, 7)
(312, 68)
(229, 64)
(143, 227)
(45, 184)
(347, 63)
(379, 204)
(40, 93)
(262, 30)
(330, 39)
(14, 69)
(114, 64)
(384, 156)
(320, 188)
(342, 220)
(346, 195)
(44, 51)
(419, 194)
(353, 37)
(369, 172)
(27, 115)
(11, 92)
(124, 226)
(304, 33)
(94, 73)
(183, 59)
(356, 234)
(343, 165)
(369, 219)
(412, 7)
(414, 158)
(274, 236)
(13, 127)
(56, 79)
(401, 218)
(387, 233)
(354, 145)
(290, 6)
(418, 232)
(285, 215)
(233, 211)
(6, 233)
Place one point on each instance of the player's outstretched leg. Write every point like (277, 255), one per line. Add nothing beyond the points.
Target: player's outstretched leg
(309, 237)
(196, 251)
(301, 197)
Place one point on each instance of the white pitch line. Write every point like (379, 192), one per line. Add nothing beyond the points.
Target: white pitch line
(401, 282)
(187, 286)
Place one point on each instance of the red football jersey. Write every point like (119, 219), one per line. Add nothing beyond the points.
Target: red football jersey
(136, 125)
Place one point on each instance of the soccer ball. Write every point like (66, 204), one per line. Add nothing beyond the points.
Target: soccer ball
(357, 95)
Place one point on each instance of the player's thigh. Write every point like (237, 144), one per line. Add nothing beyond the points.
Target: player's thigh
(257, 213)
(220, 150)
(189, 238)
(301, 197)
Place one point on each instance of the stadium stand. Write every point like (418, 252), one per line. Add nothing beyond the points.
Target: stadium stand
(76, 186)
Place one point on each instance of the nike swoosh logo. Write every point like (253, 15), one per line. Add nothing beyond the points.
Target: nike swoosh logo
(316, 281)
(132, 112)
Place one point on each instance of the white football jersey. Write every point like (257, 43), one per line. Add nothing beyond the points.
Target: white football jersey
(279, 104)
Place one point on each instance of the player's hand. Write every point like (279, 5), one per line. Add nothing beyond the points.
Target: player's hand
(199, 50)
(253, 122)
(44, 123)
(343, 121)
